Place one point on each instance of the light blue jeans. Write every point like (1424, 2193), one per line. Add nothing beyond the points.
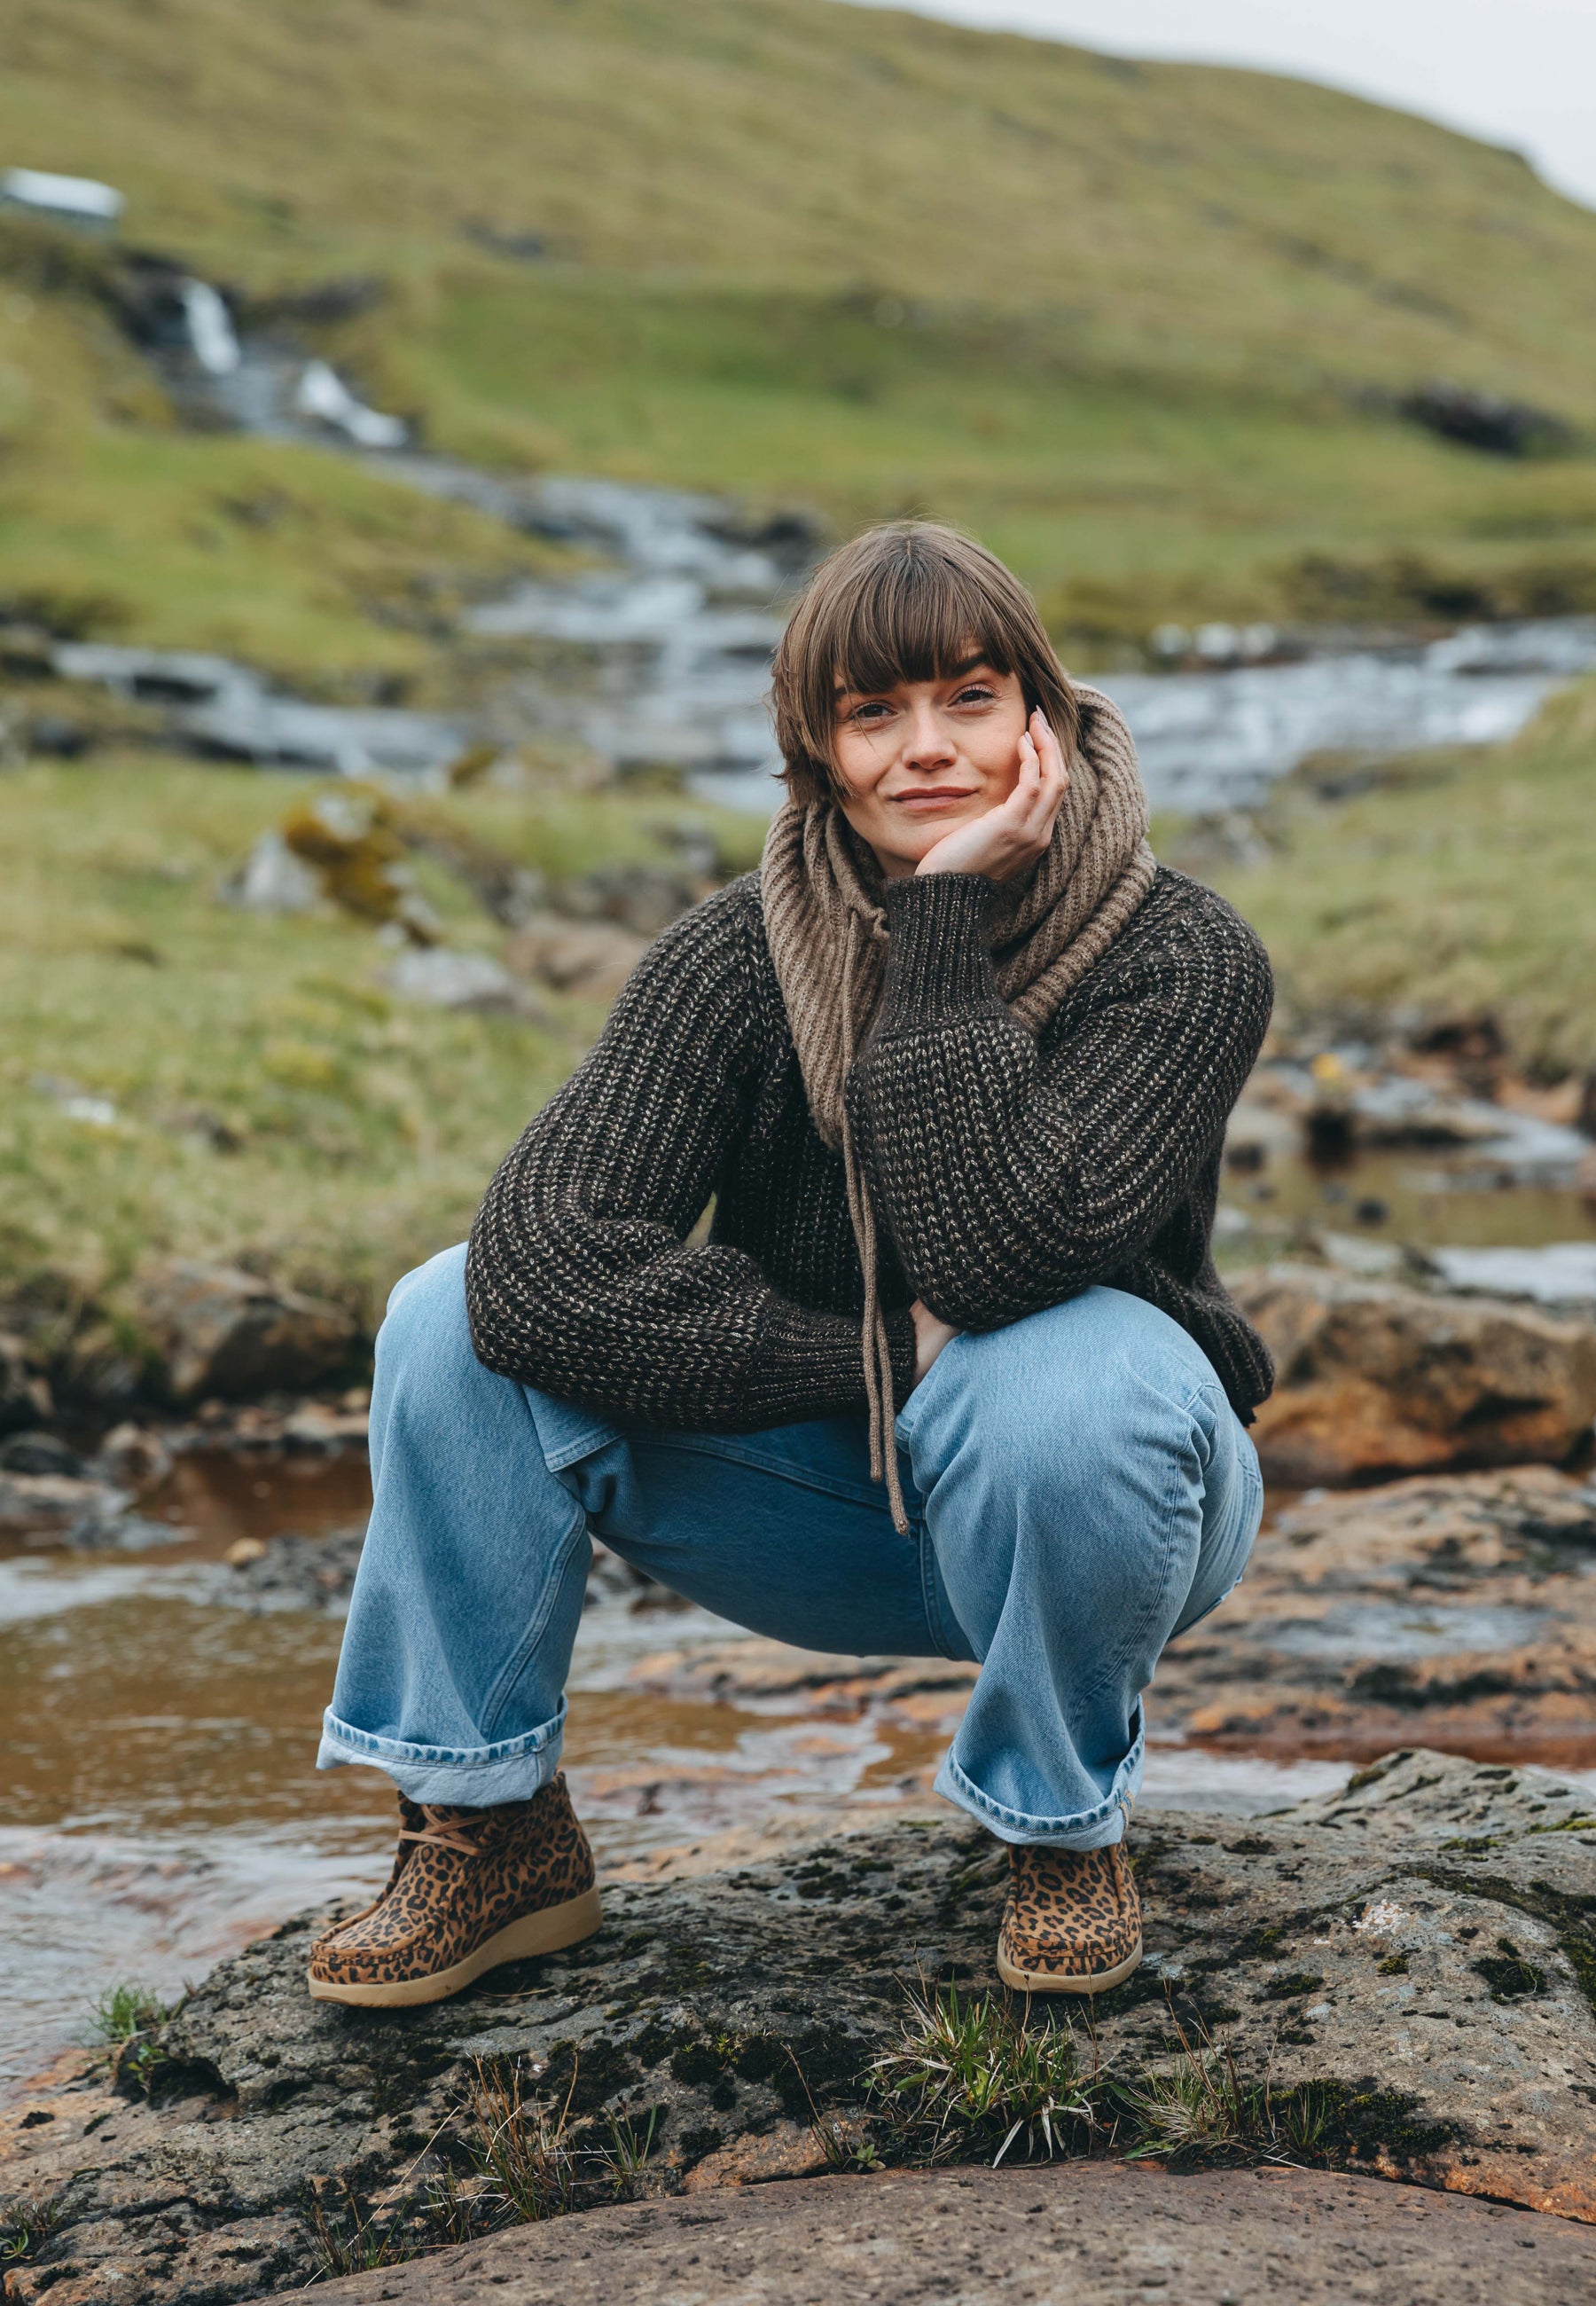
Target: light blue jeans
(1078, 1486)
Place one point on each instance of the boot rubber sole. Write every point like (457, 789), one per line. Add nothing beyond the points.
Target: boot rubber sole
(1050, 1981)
(533, 1934)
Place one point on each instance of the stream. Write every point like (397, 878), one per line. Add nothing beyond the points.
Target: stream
(658, 654)
(159, 1727)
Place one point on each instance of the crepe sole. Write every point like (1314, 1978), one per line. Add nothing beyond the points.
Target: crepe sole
(1050, 1981)
(533, 1934)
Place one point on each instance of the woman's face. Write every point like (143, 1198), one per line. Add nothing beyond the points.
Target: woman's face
(916, 760)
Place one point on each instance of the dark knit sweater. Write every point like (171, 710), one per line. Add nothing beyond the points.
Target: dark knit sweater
(1008, 1171)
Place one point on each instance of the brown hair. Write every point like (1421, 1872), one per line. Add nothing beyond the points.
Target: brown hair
(908, 601)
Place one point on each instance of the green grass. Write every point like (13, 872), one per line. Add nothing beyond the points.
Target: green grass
(363, 1132)
(1460, 885)
(981, 2074)
(128, 2020)
(1139, 325)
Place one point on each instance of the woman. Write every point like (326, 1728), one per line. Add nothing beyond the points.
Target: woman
(952, 1373)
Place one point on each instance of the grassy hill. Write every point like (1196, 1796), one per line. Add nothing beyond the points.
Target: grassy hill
(1142, 325)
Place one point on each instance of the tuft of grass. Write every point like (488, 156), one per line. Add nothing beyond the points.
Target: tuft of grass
(627, 2152)
(1199, 2110)
(128, 2019)
(523, 2151)
(27, 2221)
(1195, 2110)
(354, 2241)
(970, 2074)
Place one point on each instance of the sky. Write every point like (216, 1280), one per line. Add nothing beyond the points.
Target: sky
(1521, 73)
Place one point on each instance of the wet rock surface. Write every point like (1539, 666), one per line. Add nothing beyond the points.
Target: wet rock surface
(1459, 1608)
(221, 1332)
(1096, 2233)
(292, 1572)
(1418, 1953)
(1375, 1379)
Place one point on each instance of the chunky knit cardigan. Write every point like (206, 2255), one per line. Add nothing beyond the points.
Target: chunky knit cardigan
(1007, 1172)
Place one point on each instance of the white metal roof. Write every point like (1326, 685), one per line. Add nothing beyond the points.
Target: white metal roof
(66, 196)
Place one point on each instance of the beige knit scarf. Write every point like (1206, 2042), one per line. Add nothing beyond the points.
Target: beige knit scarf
(821, 889)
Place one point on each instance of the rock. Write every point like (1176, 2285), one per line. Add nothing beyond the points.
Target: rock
(272, 879)
(783, 2151)
(1093, 2234)
(292, 1573)
(1459, 1608)
(349, 837)
(439, 979)
(41, 1453)
(133, 1456)
(59, 1507)
(642, 898)
(594, 958)
(57, 738)
(24, 1395)
(1373, 1379)
(1558, 1273)
(1481, 420)
(1403, 1963)
(219, 1331)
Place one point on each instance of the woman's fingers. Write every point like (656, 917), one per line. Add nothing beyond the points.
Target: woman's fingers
(1049, 752)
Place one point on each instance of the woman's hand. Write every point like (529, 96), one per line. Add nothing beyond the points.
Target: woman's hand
(1008, 839)
(930, 1336)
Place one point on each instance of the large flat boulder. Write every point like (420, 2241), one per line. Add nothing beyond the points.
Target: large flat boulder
(1456, 1610)
(1082, 2233)
(1409, 1967)
(1374, 1379)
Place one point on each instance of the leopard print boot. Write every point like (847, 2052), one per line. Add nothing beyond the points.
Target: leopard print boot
(1072, 1922)
(470, 1889)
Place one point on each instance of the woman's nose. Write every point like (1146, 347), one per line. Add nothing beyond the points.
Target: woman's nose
(929, 742)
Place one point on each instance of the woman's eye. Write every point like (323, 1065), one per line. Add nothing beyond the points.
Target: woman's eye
(977, 694)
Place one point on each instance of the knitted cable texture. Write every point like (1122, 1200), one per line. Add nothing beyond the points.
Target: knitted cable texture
(826, 926)
(1009, 1168)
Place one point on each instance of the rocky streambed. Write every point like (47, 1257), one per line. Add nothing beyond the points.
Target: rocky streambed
(1396, 1979)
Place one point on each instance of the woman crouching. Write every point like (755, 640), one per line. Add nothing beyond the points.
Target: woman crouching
(953, 1374)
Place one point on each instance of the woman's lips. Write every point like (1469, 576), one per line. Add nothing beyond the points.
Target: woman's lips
(926, 803)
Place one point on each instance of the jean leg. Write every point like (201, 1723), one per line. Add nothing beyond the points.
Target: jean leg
(1087, 1488)
(470, 1587)
(783, 1532)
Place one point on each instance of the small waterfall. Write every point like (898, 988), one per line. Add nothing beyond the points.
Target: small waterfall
(323, 394)
(212, 338)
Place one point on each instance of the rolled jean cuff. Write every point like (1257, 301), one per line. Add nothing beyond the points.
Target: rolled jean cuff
(1088, 1828)
(474, 1777)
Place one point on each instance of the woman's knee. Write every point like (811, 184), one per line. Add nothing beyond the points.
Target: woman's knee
(1077, 1394)
(425, 1331)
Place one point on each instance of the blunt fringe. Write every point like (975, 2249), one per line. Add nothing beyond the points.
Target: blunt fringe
(908, 601)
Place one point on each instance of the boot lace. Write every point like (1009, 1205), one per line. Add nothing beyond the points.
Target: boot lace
(442, 1832)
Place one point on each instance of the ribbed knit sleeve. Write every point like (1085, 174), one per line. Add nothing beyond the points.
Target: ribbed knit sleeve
(1009, 1171)
(579, 1279)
